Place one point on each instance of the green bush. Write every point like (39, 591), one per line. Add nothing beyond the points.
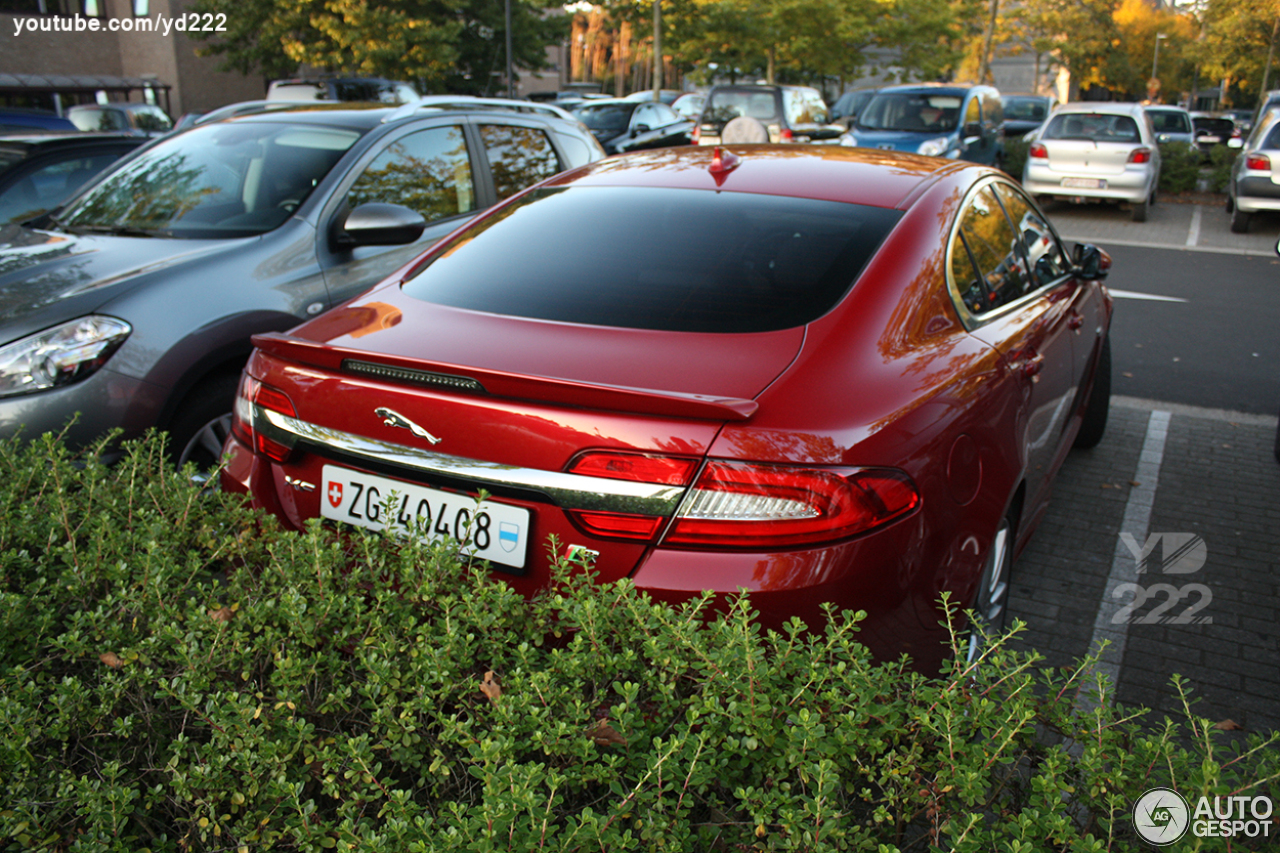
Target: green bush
(1221, 159)
(1179, 167)
(177, 674)
(1015, 156)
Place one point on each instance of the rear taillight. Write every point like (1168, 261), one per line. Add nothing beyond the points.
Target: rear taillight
(1038, 151)
(1258, 161)
(1140, 155)
(747, 505)
(697, 133)
(743, 505)
(251, 393)
(638, 467)
(786, 135)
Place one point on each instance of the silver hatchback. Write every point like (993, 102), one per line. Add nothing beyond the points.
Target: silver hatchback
(1096, 151)
(1255, 175)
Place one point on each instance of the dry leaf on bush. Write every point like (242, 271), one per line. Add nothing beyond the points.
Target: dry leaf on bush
(111, 659)
(489, 686)
(604, 735)
(1229, 726)
(222, 614)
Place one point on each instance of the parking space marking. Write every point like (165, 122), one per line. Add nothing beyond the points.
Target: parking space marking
(1193, 234)
(1151, 297)
(1103, 242)
(1124, 566)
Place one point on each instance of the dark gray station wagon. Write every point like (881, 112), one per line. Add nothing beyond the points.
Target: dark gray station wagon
(132, 305)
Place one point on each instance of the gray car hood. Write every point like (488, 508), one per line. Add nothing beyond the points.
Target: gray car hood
(49, 277)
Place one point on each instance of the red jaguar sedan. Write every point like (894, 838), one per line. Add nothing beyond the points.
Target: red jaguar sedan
(817, 373)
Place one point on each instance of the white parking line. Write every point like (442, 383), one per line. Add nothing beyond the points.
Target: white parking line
(1124, 566)
(1193, 235)
(1151, 297)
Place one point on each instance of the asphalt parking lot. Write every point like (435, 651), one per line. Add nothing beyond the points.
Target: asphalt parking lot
(1164, 540)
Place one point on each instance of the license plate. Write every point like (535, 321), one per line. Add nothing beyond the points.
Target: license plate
(1085, 183)
(487, 530)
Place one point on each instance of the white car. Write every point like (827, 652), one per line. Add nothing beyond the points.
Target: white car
(1095, 151)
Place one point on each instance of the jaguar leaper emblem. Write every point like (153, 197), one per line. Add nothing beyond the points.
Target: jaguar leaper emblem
(390, 417)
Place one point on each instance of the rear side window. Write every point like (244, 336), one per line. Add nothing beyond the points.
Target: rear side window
(988, 265)
(519, 157)
(804, 106)
(1097, 127)
(662, 259)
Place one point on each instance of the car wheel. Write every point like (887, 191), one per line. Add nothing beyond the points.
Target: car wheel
(1239, 221)
(1278, 443)
(991, 603)
(1140, 210)
(1231, 204)
(201, 426)
(1094, 425)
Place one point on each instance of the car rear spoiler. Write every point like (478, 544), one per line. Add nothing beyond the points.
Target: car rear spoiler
(570, 392)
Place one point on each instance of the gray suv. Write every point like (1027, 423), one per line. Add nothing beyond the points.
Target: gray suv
(132, 305)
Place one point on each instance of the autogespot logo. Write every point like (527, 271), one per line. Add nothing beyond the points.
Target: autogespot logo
(1161, 816)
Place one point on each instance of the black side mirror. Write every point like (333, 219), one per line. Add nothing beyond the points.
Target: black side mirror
(973, 128)
(639, 129)
(379, 224)
(1090, 262)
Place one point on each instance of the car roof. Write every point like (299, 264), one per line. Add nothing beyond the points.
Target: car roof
(827, 172)
(64, 139)
(1119, 108)
(948, 88)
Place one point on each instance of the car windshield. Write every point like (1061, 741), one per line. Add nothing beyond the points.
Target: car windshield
(611, 118)
(917, 111)
(1025, 109)
(1093, 127)
(661, 259)
(219, 180)
(1170, 121)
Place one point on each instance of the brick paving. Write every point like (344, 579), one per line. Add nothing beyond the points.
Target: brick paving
(1219, 480)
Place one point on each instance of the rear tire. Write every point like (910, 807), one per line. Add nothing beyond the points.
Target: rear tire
(1140, 210)
(1094, 425)
(1239, 221)
(202, 423)
(991, 602)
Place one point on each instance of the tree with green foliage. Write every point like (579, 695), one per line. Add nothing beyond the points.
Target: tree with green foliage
(1239, 43)
(1083, 37)
(445, 45)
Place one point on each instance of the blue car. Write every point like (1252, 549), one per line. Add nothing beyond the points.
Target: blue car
(939, 120)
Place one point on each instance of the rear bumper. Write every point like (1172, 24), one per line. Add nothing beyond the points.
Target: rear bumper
(1254, 193)
(1130, 185)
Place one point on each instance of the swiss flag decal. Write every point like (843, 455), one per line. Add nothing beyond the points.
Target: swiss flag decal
(335, 494)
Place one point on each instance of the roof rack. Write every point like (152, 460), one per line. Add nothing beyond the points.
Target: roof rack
(468, 102)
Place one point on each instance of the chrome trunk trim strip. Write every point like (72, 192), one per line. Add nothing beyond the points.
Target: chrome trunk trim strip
(568, 491)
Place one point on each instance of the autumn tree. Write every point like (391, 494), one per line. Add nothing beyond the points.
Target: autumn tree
(1238, 43)
(446, 45)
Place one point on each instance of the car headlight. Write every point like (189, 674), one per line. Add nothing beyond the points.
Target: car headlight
(933, 147)
(849, 140)
(61, 355)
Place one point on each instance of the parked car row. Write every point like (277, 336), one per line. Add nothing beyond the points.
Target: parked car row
(687, 425)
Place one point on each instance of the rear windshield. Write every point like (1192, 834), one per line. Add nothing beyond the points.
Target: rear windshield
(661, 259)
(1025, 109)
(726, 104)
(1170, 121)
(1097, 127)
